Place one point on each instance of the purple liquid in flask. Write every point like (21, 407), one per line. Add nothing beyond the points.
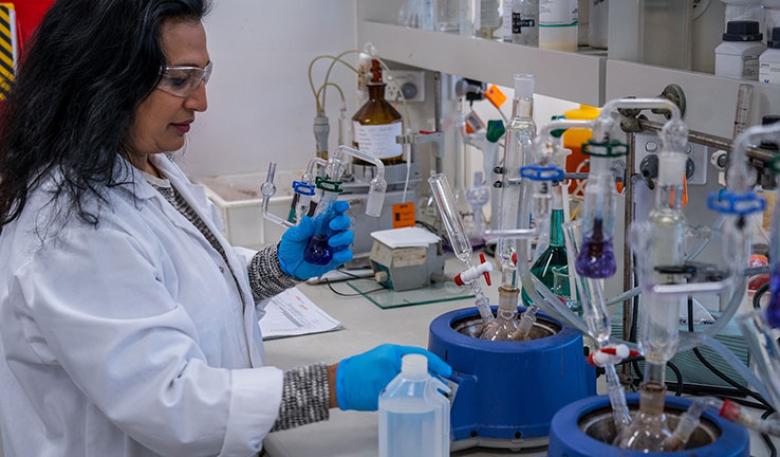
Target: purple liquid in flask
(597, 257)
(773, 310)
(318, 251)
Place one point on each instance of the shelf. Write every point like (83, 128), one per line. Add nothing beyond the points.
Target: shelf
(577, 77)
(711, 100)
(568, 76)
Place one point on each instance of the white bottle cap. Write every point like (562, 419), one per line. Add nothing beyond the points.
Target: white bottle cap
(414, 365)
(524, 86)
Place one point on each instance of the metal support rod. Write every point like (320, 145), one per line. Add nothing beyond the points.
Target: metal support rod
(628, 217)
(711, 141)
(437, 100)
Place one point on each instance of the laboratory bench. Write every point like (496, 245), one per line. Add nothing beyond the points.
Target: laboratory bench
(354, 434)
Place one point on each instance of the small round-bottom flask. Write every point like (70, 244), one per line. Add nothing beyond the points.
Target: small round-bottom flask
(648, 430)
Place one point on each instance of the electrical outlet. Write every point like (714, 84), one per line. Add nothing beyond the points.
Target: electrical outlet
(409, 83)
(650, 143)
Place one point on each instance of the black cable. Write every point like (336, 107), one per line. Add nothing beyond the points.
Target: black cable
(678, 390)
(745, 391)
(759, 295)
(679, 385)
(767, 440)
(632, 332)
(428, 226)
(342, 294)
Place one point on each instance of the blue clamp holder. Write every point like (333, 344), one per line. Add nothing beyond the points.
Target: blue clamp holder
(304, 188)
(728, 202)
(542, 173)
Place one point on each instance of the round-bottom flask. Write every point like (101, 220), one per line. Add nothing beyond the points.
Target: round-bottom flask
(505, 325)
(648, 430)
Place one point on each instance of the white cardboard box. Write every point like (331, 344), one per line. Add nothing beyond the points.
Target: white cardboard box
(237, 197)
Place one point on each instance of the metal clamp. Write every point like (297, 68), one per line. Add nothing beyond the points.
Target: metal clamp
(736, 204)
(542, 173)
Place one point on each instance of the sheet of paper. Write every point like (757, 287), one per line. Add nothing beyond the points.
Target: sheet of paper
(291, 313)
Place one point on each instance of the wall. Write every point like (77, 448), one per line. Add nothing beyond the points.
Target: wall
(260, 104)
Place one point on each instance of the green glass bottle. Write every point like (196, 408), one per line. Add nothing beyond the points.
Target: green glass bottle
(555, 254)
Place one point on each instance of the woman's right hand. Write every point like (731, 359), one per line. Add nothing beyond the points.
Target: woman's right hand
(360, 379)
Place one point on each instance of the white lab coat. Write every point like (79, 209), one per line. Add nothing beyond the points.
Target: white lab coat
(129, 339)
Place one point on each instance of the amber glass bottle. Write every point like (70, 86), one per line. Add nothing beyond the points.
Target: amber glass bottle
(377, 124)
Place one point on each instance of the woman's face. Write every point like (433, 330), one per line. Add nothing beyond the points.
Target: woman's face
(163, 119)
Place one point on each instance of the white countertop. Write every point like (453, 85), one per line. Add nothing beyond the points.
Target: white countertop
(354, 434)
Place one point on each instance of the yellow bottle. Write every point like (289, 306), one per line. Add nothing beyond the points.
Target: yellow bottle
(574, 138)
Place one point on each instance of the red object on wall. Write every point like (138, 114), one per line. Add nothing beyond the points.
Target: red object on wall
(29, 14)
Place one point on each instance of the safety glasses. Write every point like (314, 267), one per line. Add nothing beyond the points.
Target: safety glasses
(182, 81)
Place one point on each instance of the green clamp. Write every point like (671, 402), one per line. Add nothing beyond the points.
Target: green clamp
(495, 130)
(557, 133)
(611, 148)
(774, 164)
(328, 185)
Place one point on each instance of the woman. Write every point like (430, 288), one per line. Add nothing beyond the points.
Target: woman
(128, 324)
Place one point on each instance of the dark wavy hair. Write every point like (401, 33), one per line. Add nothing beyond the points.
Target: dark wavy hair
(91, 63)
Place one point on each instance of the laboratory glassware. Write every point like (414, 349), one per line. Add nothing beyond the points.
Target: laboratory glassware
(554, 257)
(419, 14)
(447, 15)
(459, 240)
(558, 24)
(524, 22)
(376, 125)
(478, 195)
(514, 211)
(328, 185)
(489, 18)
(414, 413)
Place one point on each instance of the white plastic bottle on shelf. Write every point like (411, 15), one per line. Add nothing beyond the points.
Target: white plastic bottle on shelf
(525, 22)
(598, 24)
(737, 56)
(447, 15)
(506, 21)
(744, 10)
(558, 24)
(414, 416)
(772, 14)
(769, 62)
(489, 18)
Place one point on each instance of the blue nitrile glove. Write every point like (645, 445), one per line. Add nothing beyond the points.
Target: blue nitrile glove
(361, 378)
(295, 239)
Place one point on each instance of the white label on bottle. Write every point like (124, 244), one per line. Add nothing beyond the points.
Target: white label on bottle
(558, 13)
(769, 73)
(750, 67)
(378, 140)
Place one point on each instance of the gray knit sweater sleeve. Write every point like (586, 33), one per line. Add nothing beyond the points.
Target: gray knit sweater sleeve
(266, 276)
(305, 397)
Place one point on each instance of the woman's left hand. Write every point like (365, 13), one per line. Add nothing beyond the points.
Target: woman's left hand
(295, 239)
